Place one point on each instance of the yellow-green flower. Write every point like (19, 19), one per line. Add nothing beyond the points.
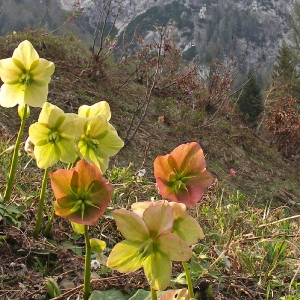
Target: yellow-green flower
(25, 77)
(53, 137)
(185, 226)
(97, 139)
(149, 243)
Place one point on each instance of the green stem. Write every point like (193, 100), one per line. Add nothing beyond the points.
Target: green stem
(153, 294)
(73, 164)
(14, 161)
(87, 265)
(48, 228)
(188, 279)
(38, 223)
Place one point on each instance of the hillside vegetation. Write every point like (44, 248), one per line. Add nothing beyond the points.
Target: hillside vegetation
(153, 121)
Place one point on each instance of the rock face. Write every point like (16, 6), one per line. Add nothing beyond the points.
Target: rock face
(212, 28)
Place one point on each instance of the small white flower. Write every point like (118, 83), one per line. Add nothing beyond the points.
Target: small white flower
(95, 264)
(142, 172)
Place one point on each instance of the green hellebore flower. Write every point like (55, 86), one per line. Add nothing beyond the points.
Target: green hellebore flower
(53, 137)
(181, 176)
(96, 109)
(97, 140)
(25, 76)
(149, 243)
(185, 226)
(82, 193)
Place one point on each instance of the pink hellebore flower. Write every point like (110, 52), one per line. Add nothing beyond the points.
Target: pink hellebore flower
(181, 176)
(82, 193)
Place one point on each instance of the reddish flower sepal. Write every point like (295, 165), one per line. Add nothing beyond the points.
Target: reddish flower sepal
(82, 193)
(181, 176)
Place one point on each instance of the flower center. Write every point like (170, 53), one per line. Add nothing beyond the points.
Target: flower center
(53, 137)
(178, 181)
(82, 200)
(146, 248)
(92, 143)
(25, 79)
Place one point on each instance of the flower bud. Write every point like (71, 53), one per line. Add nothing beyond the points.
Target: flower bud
(23, 109)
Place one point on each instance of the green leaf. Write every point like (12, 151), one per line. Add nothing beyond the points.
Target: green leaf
(107, 295)
(16, 209)
(68, 245)
(144, 295)
(11, 213)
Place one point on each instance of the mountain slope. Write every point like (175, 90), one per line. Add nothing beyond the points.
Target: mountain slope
(262, 174)
(251, 29)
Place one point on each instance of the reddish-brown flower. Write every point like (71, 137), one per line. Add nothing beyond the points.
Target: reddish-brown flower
(82, 193)
(232, 172)
(181, 176)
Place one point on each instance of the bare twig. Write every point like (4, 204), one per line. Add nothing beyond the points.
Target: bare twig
(279, 221)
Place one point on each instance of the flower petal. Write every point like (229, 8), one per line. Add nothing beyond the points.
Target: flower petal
(68, 128)
(90, 178)
(67, 151)
(91, 156)
(139, 207)
(38, 133)
(9, 72)
(158, 219)
(131, 225)
(49, 114)
(11, 95)
(191, 196)
(189, 156)
(165, 189)
(61, 181)
(188, 229)
(26, 54)
(162, 168)
(203, 179)
(181, 176)
(110, 144)
(157, 268)
(90, 217)
(42, 74)
(125, 257)
(174, 247)
(47, 155)
(96, 126)
(101, 107)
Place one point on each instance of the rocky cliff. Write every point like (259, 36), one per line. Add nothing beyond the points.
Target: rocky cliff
(207, 28)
